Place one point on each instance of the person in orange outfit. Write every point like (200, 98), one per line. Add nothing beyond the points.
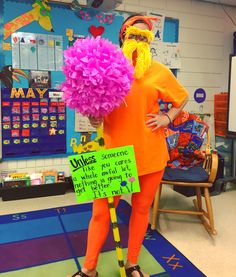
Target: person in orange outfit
(136, 122)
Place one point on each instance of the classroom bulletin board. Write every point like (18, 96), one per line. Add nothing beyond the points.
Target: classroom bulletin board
(65, 26)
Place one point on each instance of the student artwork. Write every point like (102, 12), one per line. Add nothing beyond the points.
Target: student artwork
(158, 25)
(96, 31)
(105, 18)
(8, 74)
(99, 66)
(166, 53)
(89, 145)
(84, 15)
(6, 46)
(40, 12)
(88, 14)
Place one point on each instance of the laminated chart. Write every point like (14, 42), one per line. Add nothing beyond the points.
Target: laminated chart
(37, 51)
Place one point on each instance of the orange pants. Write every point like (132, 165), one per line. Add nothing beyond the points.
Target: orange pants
(100, 221)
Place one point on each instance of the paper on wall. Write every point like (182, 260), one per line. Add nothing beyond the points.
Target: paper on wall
(166, 53)
(158, 26)
(37, 51)
(82, 124)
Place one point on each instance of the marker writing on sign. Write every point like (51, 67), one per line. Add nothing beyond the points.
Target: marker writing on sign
(79, 163)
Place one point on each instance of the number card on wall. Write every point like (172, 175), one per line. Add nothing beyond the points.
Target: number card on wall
(104, 173)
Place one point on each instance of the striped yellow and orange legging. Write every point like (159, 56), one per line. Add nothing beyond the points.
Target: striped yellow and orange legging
(100, 221)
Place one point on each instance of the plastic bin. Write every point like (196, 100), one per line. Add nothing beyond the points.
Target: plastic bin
(223, 144)
(220, 128)
(227, 158)
(227, 171)
(222, 96)
(220, 104)
(221, 114)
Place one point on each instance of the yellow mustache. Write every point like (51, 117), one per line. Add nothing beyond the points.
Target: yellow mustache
(144, 57)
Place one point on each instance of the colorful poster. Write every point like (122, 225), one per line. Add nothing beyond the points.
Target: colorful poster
(104, 173)
(40, 12)
(33, 122)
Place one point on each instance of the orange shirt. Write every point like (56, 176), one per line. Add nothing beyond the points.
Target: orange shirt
(126, 125)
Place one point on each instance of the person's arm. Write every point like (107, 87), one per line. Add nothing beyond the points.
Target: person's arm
(173, 112)
(162, 120)
(169, 90)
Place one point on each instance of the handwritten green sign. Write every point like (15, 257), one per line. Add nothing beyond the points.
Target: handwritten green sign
(104, 173)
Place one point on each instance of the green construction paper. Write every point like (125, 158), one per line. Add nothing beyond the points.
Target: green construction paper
(104, 173)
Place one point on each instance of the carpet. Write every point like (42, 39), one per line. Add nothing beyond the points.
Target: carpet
(52, 242)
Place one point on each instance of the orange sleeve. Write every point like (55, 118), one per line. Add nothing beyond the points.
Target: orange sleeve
(170, 89)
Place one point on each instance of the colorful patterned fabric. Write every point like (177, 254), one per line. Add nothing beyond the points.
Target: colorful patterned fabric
(184, 138)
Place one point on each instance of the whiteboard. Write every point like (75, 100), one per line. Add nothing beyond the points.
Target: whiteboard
(232, 97)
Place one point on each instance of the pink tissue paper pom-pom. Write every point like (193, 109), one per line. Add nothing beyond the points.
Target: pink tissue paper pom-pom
(98, 76)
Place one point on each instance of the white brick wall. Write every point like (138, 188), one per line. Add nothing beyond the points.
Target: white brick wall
(206, 40)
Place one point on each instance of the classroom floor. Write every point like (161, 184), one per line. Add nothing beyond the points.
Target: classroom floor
(214, 256)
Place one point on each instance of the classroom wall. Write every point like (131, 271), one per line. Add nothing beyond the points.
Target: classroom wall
(205, 36)
(206, 40)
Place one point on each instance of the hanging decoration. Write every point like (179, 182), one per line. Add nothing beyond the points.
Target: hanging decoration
(75, 5)
(99, 5)
(40, 12)
(104, 5)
